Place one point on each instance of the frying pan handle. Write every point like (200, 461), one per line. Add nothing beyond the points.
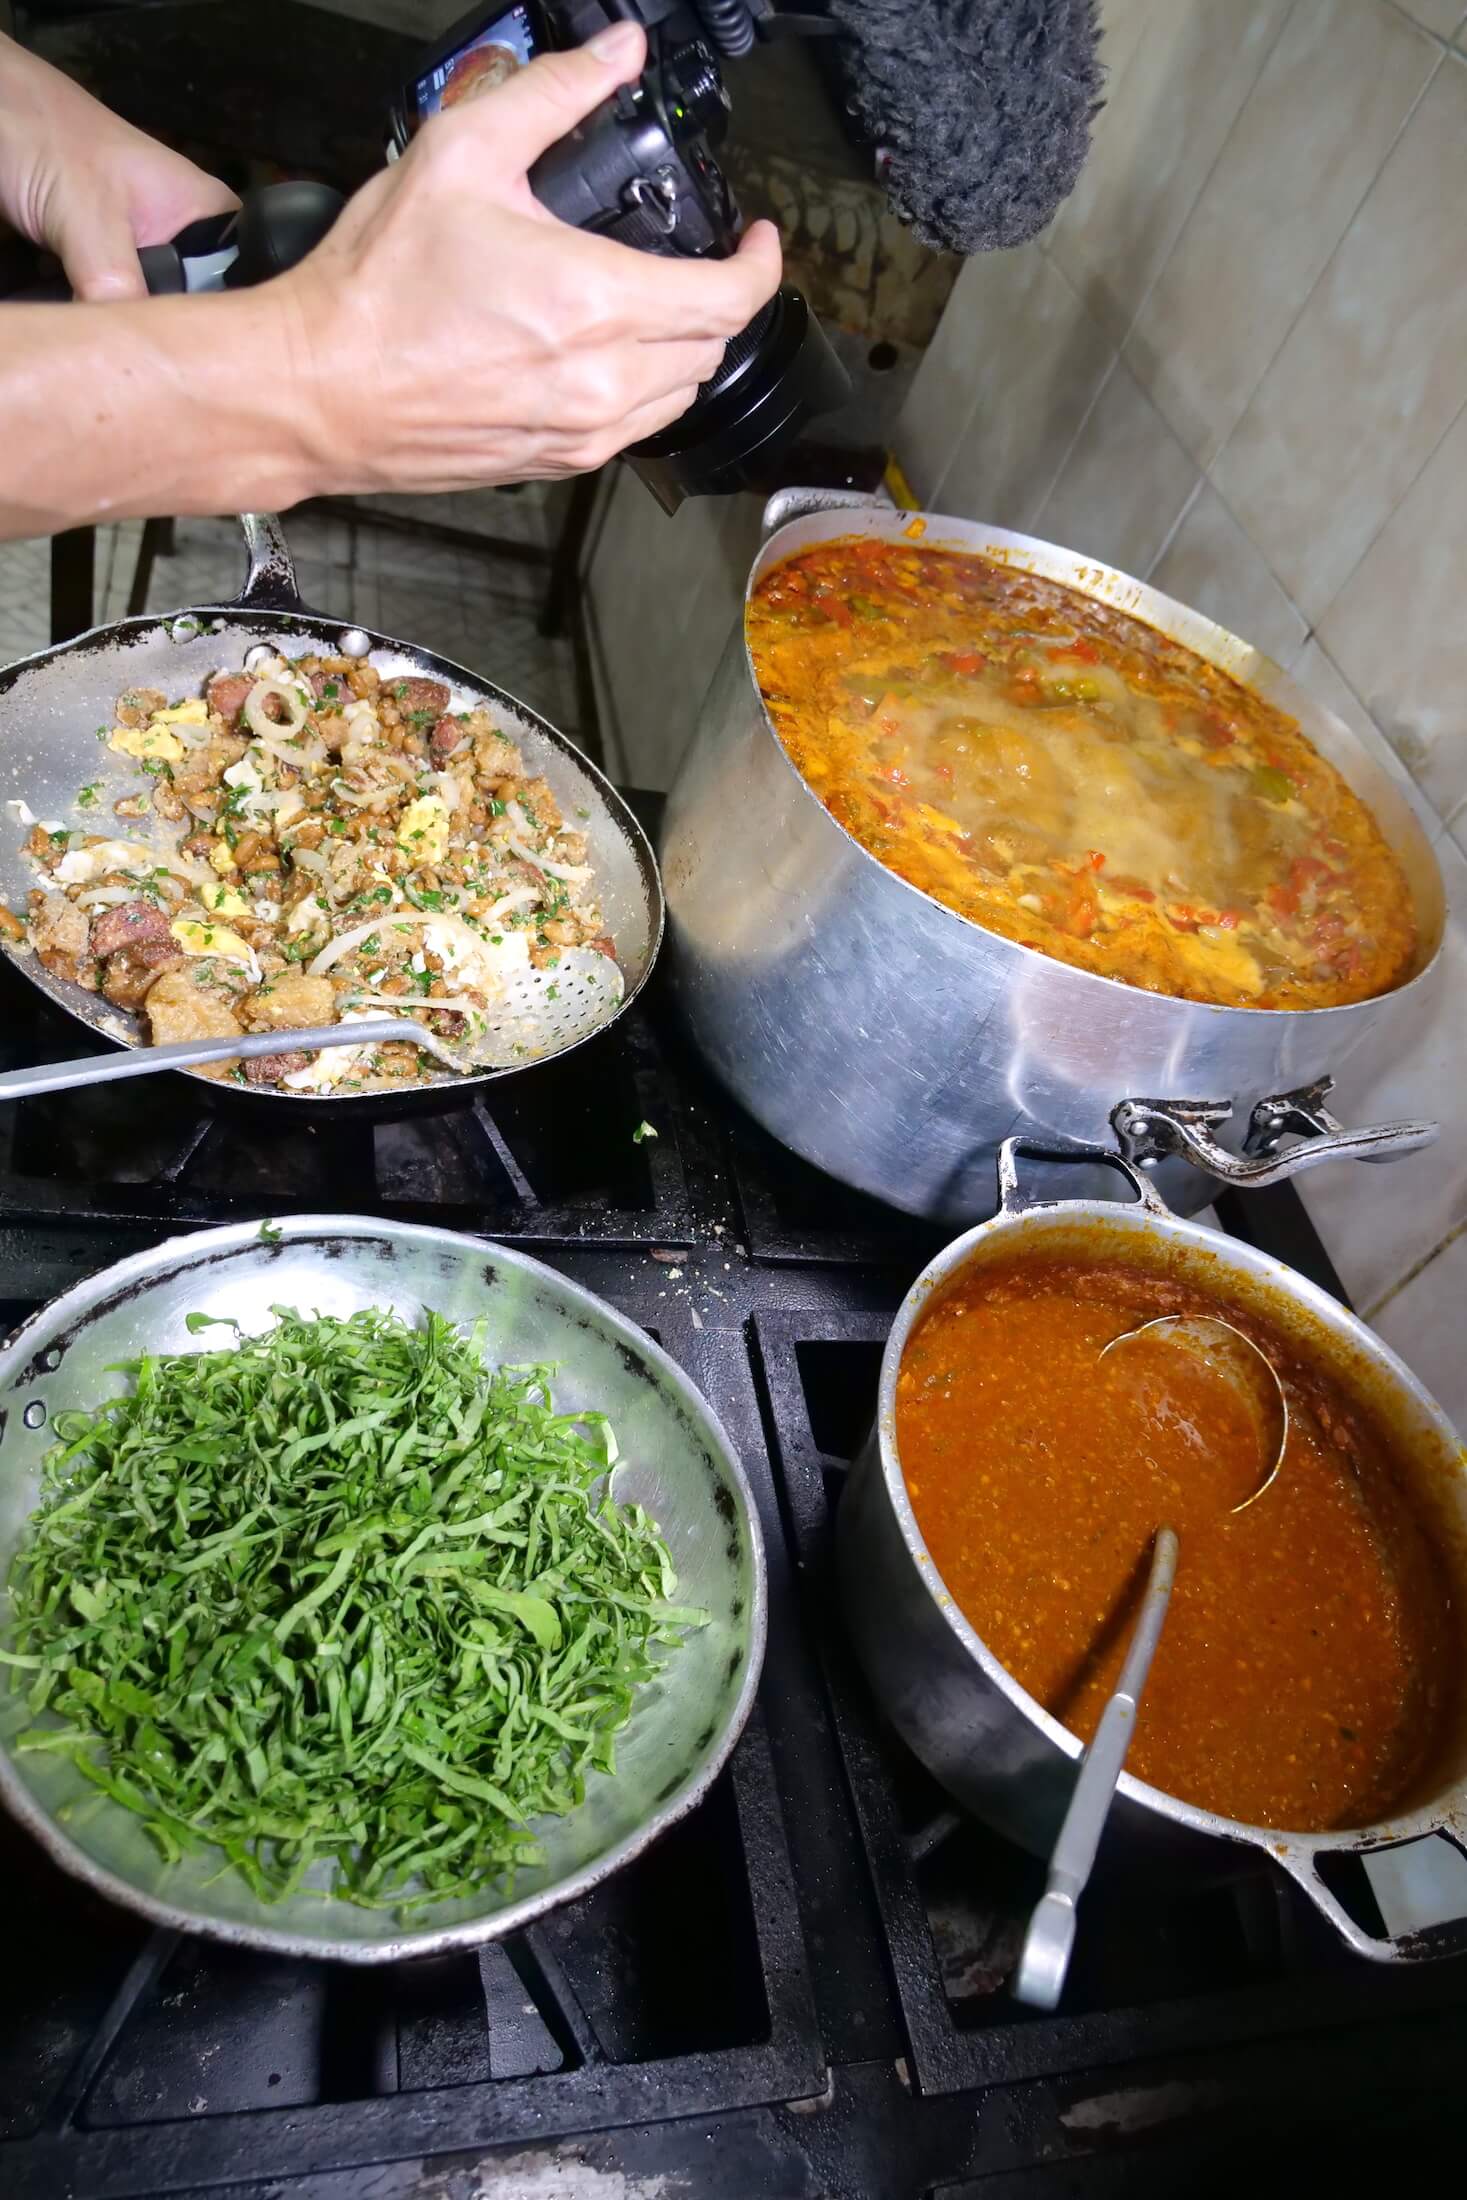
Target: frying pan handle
(270, 582)
(1448, 1937)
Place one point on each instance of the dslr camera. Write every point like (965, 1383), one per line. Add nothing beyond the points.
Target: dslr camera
(642, 169)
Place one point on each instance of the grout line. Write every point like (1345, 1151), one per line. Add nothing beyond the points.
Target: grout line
(1444, 39)
(1143, 301)
(1035, 511)
(1360, 205)
(1390, 515)
(1130, 326)
(1413, 1272)
(1170, 536)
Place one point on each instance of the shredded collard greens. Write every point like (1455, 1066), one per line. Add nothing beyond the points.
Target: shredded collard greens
(339, 1595)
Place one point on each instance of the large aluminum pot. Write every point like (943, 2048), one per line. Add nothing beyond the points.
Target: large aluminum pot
(983, 1736)
(894, 1043)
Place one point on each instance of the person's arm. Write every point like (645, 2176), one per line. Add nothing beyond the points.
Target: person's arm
(448, 333)
(87, 185)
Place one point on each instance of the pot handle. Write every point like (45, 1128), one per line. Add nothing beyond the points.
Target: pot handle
(790, 504)
(1011, 1200)
(1446, 1938)
(1153, 1130)
(270, 583)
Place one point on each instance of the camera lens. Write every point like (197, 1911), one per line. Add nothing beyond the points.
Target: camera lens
(775, 375)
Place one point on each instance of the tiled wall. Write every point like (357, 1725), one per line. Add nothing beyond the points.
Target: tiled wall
(1237, 365)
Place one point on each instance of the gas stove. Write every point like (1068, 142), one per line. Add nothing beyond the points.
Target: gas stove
(802, 1990)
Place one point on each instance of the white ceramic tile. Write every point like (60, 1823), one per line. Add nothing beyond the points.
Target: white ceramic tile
(1316, 670)
(1190, 67)
(1372, 372)
(1210, 564)
(1308, 144)
(1441, 16)
(1419, 1884)
(1380, 1221)
(1034, 361)
(1397, 629)
(1426, 1322)
(1123, 485)
(652, 673)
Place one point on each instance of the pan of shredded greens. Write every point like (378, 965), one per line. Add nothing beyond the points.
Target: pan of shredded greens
(365, 1589)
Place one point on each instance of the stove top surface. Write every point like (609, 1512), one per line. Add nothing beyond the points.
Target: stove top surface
(802, 1990)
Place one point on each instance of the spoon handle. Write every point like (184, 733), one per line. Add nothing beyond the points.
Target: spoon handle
(1051, 1935)
(107, 1069)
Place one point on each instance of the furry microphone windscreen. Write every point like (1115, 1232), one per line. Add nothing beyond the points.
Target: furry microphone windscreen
(983, 108)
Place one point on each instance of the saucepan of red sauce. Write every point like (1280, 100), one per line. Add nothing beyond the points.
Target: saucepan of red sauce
(1310, 1692)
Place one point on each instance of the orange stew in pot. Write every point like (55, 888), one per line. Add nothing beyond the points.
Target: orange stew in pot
(1306, 1672)
(1064, 775)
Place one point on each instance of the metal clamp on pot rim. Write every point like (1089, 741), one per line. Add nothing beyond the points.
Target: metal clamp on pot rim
(1156, 1130)
(982, 1736)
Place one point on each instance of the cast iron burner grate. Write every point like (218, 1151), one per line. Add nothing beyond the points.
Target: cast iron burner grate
(550, 1156)
(801, 1991)
(1209, 1958)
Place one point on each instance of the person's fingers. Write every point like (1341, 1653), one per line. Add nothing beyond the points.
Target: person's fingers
(522, 118)
(171, 201)
(96, 248)
(670, 363)
(702, 298)
(642, 421)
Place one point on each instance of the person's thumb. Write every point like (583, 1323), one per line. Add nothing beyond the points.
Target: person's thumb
(521, 118)
(97, 250)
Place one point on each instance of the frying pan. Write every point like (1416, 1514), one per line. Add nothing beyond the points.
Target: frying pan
(52, 704)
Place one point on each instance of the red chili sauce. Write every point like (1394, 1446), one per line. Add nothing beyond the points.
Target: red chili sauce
(1307, 1669)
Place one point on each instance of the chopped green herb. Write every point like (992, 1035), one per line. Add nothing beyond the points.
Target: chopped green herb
(338, 1600)
(86, 798)
(643, 1130)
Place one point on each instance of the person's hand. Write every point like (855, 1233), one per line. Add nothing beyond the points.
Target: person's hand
(86, 185)
(456, 334)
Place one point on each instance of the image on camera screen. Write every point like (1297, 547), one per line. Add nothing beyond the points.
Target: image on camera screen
(489, 57)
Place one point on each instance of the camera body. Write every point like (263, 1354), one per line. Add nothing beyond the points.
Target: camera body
(642, 170)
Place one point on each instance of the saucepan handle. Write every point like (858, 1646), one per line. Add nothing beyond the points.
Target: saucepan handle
(1448, 1937)
(270, 583)
(1011, 1198)
(789, 504)
(1154, 1130)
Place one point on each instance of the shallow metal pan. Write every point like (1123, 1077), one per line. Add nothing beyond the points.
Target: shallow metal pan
(51, 705)
(677, 1461)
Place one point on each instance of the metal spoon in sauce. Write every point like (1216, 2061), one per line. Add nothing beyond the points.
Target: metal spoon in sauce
(1227, 1352)
(1050, 1939)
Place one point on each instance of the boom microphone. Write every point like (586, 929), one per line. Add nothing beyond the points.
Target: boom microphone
(981, 109)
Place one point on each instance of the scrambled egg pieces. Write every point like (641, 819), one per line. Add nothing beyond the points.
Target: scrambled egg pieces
(153, 743)
(423, 829)
(223, 901)
(150, 744)
(211, 939)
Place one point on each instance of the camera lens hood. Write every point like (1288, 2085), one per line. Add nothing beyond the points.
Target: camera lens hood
(776, 374)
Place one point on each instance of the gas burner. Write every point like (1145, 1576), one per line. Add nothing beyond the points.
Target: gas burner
(803, 1988)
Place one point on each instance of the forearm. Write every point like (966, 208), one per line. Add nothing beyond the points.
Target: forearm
(176, 406)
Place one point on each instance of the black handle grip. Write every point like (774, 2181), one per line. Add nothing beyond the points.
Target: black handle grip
(272, 230)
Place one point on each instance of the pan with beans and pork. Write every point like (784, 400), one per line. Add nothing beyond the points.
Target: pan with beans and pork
(313, 840)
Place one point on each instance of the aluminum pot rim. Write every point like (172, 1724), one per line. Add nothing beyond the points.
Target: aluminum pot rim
(847, 521)
(1441, 1814)
(21, 1349)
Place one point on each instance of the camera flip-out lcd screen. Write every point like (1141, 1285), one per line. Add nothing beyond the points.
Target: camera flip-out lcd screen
(483, 61)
